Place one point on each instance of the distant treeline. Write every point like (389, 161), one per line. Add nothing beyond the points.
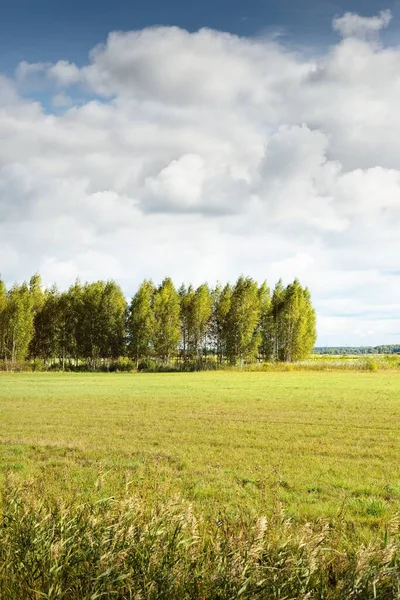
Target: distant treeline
(345, 350)
(92, 324)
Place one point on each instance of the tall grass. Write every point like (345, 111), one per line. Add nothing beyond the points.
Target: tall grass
(128, 550)
(317, 362)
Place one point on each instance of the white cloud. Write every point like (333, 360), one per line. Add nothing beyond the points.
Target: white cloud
(190, 185)
(8, 93)
(352, 24)
(179, 185)
(206, 155)
(25, 69)
(178, 67)
(64, 73)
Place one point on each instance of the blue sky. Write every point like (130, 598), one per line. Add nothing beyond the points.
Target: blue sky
(271, 150)
(41, 30)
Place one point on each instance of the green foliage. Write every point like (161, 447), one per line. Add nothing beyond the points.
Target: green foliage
(86, 322)
(221, 303)
(293, 322)
(243, 338)
(266, 323)
(372, 365)
(186, 296)
(167, 326)
(278, 305)
(196, 310)
(201, 310)
(112, 318)
(3, 304)
(18, 323)
(36, 292)
(141, 323)
(299, 323)
(47, 323)
(345, 350)
(90, 325)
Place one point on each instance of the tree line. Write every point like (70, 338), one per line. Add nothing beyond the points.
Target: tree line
(350, 350)
(92, 324)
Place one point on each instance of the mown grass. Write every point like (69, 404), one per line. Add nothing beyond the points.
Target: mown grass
(320, 443)
(205, 485)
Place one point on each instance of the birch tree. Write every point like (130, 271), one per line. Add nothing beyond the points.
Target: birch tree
(141, 323)
(243, 337)
(167, 326)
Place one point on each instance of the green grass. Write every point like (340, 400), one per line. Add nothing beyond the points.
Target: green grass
(155, 486)
(322, 444)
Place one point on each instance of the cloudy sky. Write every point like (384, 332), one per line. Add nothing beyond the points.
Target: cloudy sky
(205, 141)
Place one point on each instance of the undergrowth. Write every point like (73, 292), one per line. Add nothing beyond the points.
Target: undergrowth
(125, 365)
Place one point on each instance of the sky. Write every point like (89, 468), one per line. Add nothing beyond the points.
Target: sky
(203, 141)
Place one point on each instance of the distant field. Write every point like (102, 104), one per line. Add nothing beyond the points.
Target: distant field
(322, 443)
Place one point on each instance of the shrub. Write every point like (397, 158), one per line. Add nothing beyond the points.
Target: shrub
(147, 364)
(17, 366)
(371, 365)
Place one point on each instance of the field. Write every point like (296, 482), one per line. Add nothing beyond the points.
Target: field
(322, 444)
(281, 485)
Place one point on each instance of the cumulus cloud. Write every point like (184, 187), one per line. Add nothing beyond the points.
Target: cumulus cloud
(204, 155)
(25, 69)
(191, 185)
(174, 66)
(352, 24)
(64, 73)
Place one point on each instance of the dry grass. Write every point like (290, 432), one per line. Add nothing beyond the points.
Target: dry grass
(128, 549)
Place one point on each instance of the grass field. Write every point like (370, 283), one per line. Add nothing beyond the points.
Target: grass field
(322, 443)
(150, 486)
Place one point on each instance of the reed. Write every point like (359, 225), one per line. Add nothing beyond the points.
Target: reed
(127, 549)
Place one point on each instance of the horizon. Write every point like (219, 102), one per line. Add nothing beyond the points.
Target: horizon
(207, 141)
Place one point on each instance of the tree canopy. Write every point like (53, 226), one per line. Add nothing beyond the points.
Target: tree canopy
(93, 323)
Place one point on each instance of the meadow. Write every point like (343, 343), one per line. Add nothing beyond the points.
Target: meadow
(320, 443)
(200, 485)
